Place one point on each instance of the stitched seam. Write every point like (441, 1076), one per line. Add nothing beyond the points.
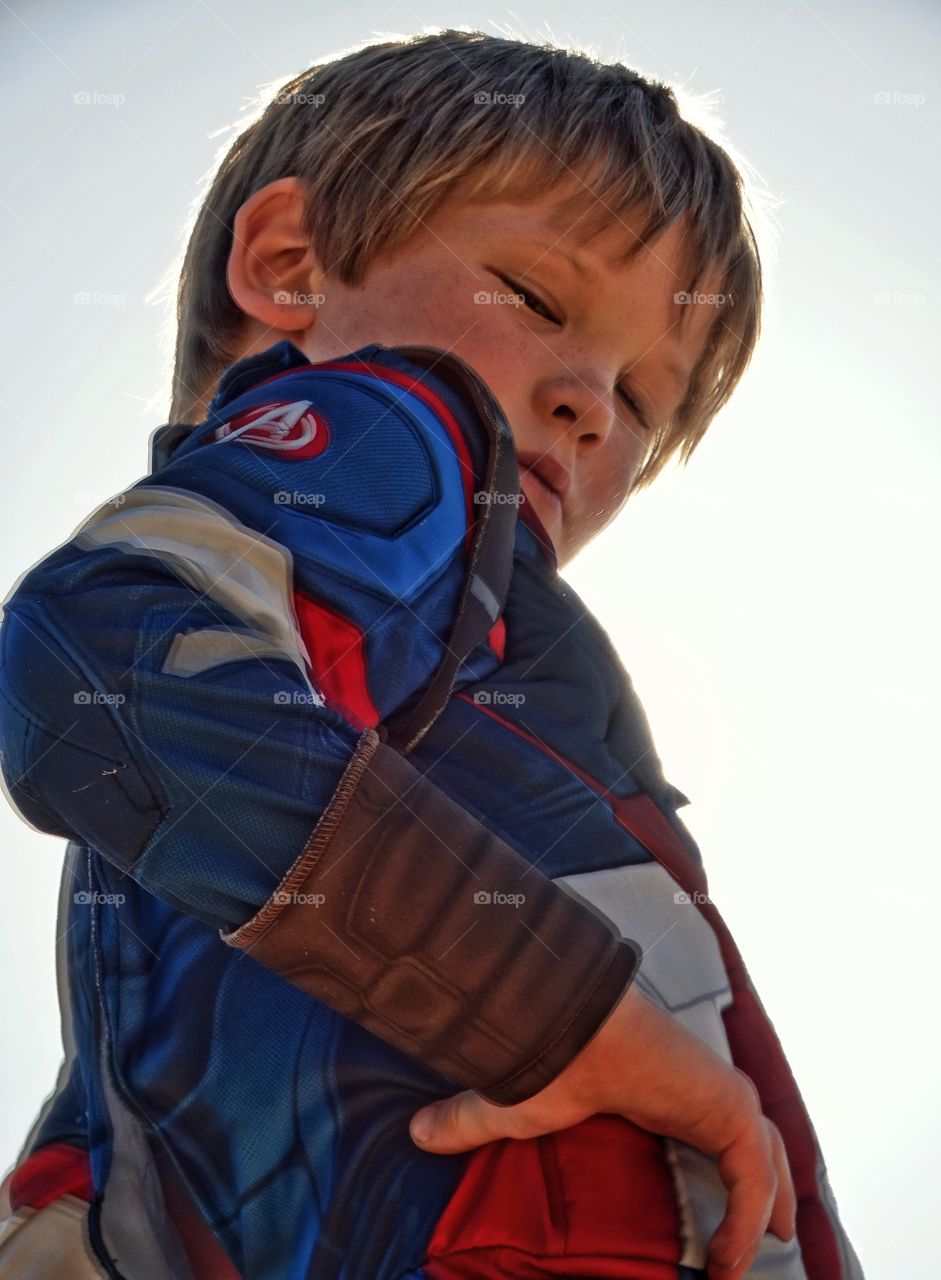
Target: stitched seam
(313, 850)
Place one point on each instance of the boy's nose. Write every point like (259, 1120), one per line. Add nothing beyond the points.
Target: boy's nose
(579, 404)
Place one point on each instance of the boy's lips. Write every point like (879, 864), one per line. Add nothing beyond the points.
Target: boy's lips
(547, 481)
(552, 474)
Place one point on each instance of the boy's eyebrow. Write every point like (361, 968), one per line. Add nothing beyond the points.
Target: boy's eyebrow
(548, 247)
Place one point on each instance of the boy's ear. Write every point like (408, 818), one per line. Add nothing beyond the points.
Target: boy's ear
(273, 273)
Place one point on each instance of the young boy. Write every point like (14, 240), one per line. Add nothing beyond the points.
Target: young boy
(300, 689)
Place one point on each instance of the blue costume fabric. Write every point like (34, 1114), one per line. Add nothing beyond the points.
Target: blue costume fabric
(183, 683)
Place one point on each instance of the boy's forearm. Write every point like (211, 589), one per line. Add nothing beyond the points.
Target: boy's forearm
(156, 704)
(416, 921)
(496, 997)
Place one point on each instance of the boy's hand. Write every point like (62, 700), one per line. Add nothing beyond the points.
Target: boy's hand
(647, 1067)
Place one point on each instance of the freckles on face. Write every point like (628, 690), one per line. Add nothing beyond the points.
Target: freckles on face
(435, 294)
(441, 298)
(576, 363)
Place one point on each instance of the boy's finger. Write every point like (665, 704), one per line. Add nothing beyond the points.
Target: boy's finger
(747, 1170)
(456, 1124)
(782, 1220)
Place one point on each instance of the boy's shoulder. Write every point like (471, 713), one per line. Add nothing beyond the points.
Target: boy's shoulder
(385, 452)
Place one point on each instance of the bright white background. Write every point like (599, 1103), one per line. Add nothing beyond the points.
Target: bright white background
(775, 602)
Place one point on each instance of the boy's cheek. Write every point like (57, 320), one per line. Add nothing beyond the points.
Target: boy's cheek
(497, 356)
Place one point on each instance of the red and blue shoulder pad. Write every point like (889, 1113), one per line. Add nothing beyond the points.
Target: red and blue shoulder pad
(387, 454)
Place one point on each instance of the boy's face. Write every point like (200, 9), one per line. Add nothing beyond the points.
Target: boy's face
(584, 363)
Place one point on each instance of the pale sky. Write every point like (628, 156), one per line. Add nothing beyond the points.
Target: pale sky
(775, 602)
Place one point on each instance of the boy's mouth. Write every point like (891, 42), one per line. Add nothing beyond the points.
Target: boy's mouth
(546, 501)
(544, 483)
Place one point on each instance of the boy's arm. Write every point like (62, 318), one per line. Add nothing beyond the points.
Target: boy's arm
(156, 704)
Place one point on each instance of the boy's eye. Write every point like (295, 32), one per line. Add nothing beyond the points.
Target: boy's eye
(634, 407)
(529, 299)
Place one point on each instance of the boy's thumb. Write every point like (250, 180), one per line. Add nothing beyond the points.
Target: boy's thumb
(451, 1126)
(423, 1125)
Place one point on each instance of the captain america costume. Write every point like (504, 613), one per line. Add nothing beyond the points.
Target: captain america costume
(285, 1120)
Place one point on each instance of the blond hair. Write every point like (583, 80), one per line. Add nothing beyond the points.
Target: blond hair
(382, 135)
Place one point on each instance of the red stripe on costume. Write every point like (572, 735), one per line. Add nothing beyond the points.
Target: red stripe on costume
(336, 647)
(51, 1172)
(753, 1042)
(594, 1200)
(496, 638)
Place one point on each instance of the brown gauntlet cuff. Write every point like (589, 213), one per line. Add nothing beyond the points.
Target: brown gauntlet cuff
(410, 917)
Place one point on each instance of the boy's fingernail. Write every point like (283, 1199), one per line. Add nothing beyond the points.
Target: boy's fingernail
(422, 1126)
